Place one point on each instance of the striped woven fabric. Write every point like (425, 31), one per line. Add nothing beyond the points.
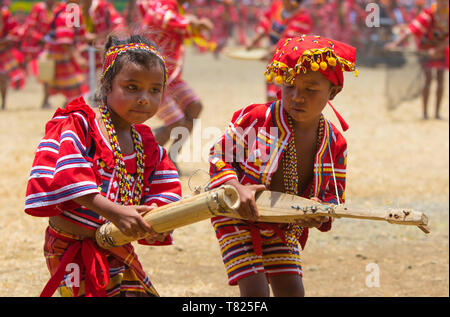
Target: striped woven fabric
(126, 276)
(240, 258)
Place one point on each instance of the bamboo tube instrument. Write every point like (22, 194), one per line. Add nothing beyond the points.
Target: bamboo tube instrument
(272, 207)
(223, 200)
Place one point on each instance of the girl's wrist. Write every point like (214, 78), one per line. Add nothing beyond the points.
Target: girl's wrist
(101, 205)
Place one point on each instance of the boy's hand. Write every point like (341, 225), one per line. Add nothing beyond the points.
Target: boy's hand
(247, 208)
(313, 222)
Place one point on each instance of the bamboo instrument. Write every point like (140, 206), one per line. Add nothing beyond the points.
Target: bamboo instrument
(272, 207)
(285, 208)
(223, 200)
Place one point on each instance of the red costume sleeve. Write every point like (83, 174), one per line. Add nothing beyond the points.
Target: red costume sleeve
(62, 169)
(230, 148)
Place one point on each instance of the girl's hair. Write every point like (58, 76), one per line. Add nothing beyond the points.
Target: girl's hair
(140, 57)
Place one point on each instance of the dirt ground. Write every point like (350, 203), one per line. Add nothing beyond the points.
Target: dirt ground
(395, 160)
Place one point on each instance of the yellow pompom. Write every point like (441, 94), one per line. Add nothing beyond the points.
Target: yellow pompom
(279, 80)
(356, 73)
(323, 65)
(314, 66)
(270, 77)
(332, 61)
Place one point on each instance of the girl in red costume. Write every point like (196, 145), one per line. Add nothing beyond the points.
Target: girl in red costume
(100, 164)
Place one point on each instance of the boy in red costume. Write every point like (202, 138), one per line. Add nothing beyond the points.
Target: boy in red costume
(286, 146)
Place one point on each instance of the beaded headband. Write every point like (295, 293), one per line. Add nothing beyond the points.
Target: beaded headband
(114, 51)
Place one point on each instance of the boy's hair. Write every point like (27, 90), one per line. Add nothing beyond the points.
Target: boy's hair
(140, 57)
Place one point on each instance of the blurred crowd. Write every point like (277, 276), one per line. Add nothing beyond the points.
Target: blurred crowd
(213, 24)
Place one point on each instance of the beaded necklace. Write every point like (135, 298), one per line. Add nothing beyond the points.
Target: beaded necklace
(127, 197)
(290, 178)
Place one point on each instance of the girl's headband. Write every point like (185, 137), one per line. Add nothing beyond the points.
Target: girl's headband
(114, 51)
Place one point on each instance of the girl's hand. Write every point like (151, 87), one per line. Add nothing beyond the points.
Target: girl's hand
(247, 209)
(313, 222)
(130, 222)
(155, 236)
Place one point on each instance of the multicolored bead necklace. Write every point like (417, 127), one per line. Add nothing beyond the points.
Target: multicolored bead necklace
(127, 197)
(291, 179)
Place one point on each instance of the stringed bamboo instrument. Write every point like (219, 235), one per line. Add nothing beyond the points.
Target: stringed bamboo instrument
(272, 207)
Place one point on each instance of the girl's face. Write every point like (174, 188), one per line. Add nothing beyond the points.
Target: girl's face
(136, 93)
(309, 94)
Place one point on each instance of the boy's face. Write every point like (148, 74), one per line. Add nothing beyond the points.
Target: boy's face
(305, 99)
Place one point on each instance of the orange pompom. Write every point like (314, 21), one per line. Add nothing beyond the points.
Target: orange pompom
(323, 65)
(314, 66)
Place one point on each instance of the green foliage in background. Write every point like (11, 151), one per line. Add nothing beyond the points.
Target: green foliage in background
(26, 5)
